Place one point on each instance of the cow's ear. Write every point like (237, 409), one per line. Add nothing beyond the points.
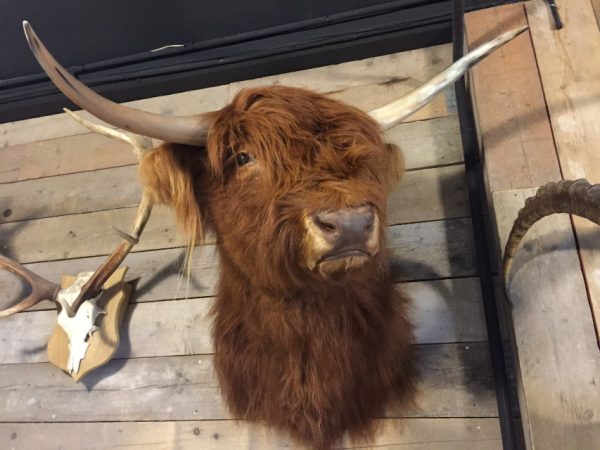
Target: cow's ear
(171, 174)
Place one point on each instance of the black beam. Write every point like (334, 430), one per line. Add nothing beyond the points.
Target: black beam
(476, 189)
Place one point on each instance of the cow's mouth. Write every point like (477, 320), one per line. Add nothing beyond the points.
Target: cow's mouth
(337, 262)
(332, 256)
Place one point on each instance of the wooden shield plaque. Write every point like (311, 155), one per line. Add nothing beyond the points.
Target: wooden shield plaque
(105, 340)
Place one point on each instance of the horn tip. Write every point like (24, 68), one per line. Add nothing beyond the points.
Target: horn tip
(522, 29)
(27, 28)
(30, 35)
(517, 31)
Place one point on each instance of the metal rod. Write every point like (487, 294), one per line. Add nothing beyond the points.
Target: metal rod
(558, 23)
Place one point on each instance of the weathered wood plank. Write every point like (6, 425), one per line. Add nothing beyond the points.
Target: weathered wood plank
(428, 143)
(411, 67)
(373, 82)
(444, 311)
(84, 235)
(410, 434)
(513, 121)
(71, 154)
(77, 193)
(557, 350)
(420, 251)
(442, 189)
(569, 62)
(455, 381)
(433, 249)
(59, 125)
(373, 96)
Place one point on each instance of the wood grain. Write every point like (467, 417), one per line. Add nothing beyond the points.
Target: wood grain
(455, 381)
(569, 62)
(438, 249)
(411, 67)
(60, 156)
(428, 143)
(443, 190)
(375, 95)
(77, 193)
(512, 118)
(87, 234)
(444, 311)
(557, 350)
(409, 434)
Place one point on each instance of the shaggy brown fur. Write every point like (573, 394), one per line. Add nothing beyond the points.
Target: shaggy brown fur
(316, 356)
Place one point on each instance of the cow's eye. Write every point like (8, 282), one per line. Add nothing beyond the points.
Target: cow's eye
(242, 158)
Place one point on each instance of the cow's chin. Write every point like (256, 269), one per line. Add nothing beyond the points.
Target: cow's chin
(335, 267)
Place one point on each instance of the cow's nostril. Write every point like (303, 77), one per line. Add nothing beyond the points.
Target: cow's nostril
(324, 224)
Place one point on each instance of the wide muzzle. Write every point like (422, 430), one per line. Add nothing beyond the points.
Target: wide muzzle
(342, 239)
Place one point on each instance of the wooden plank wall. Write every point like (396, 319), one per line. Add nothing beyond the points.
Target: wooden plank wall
(60, 190)
(538, 101)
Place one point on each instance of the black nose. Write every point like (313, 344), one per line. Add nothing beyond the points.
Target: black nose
(347, 229)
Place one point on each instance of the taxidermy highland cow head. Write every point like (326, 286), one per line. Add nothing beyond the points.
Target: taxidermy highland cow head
(310, 334)
(294, 186)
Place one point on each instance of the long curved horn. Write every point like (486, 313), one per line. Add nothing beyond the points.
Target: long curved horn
(395, 112)
(190, 130)
(567, 196)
